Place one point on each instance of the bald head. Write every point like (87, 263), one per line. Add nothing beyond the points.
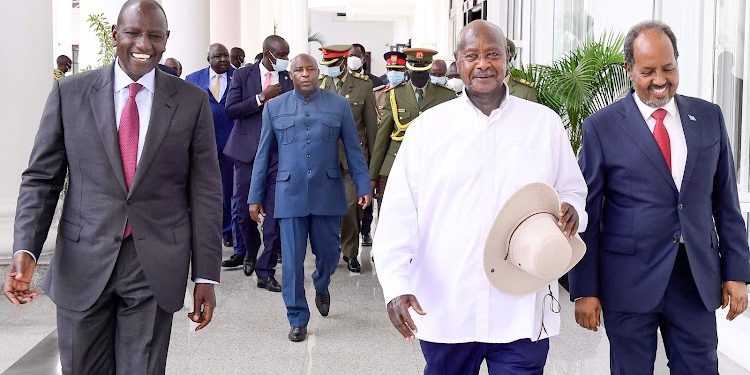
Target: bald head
(274, 48)
(481, 28)
(236, 57)
(481, 61)
(438, 68)
(218, 58)
(304, 72)
(174, 64)
(64, 63)
(142, 4)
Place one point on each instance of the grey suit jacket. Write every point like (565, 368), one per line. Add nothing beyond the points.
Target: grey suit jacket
(174, 204)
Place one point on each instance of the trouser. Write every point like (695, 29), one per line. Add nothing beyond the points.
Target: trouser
(265, 265)
(124, 332)
(244, 229)
(350, 224)
(688, 330)
(323, 232)
(367, 219)
(226, 167)
(520, 357)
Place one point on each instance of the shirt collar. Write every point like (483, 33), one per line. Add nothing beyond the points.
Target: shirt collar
(212, 73)
(312, 96)
(263, 69)
(503, 103)
(647, 111)
(122, 80)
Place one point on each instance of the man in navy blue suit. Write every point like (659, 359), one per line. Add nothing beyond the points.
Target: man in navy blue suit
(216, 79)
(252, 87)
(306, 126)
(666, 242)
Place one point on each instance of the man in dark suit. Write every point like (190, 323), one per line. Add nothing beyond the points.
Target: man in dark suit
(140, 209)
(251, 88)
(215, 79)
(306, 126)
(666, 243)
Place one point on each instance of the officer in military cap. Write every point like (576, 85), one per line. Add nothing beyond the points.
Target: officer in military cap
(518, 87)
(357, 89)
(395, 65)
(405, 102)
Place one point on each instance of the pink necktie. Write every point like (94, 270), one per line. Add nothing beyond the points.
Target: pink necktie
(661, 135)
(128, 138)
(267, 80)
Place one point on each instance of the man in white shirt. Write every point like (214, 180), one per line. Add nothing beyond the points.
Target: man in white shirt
(458, 164)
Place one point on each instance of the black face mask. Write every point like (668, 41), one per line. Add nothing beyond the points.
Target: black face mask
(420, 79)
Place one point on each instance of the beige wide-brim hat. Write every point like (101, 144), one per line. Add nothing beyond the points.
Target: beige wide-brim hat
(525, 248)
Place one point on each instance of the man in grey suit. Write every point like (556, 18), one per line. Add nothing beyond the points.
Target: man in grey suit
(143, 205)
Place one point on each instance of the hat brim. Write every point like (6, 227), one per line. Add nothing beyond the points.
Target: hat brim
(329, 62)
(411, 66)
(528, 200)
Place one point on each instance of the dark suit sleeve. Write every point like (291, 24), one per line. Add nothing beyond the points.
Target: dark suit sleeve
(43, 180)
(257, 193)
(382, 139)
(733, 248)
(371, 122)
(205, 197)
(235, 106)
(354, 156)
(584, 277)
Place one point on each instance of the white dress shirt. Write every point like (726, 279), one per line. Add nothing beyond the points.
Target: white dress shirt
(274, 79)
(222, 82)
(454, 171)
(677, 143)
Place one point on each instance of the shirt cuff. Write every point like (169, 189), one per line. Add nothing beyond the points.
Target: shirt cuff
(257, 100)
(28, 252)
(199, 280)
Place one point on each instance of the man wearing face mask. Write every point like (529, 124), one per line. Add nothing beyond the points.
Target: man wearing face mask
(356, 60)
(252, 86)
(454, 81)
(357, 89)
(437, 73)
(395, 65)
(518, 87)
(405, 103)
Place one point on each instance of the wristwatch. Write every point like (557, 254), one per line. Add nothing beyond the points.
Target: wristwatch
(261, 98)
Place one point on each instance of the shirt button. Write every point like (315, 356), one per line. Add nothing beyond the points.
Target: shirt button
(309, 171)
(674, 239)
(308, 128)
(308, 141)
(308, 156)
(679, 206)
(307, 114)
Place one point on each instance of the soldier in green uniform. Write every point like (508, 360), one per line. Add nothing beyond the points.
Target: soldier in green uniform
(357, 89)
(518, 87)
(395, 65)
(404, 103)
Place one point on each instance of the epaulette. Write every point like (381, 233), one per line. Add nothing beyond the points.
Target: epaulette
(523, 82)
(361, 76)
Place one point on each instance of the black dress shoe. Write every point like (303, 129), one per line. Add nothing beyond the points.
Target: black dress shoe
(248, 267)
(269, 283)
(233, 261)
(323, 302)
(345, 258)
(353, 265)
(366, 240)
(297, 334)
(227, 241)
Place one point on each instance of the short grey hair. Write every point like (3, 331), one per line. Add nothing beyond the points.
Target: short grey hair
(642, 27)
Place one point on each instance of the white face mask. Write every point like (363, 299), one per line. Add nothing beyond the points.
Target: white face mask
(354, 63)
(456, 84)
(333, 71)
(439, 80)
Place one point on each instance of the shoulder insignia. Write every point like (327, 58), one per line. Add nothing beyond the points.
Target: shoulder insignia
(361, 76)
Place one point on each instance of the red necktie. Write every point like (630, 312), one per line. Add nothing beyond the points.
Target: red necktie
(128, 138)
(661, 135)
(267, 80)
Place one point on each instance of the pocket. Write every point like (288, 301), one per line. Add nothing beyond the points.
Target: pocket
(617, 244)
(283, 176)
(333, 173)
(69, 230)
(284, 128)
(331, 130)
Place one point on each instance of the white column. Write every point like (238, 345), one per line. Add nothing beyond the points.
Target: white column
(189, 32)
(24, 100)
(426, 19)
(88, 43)
(257, 23)
(62, 25)
(225, 23)
(293, 22)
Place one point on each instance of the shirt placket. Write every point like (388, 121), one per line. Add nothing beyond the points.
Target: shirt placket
(487, 152)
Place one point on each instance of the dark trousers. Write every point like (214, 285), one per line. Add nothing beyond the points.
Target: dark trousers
(351, 222)
(323, 232)
(124, 332)
(521, 357)
(367, 219)
(688, 330)
(266, 263)
(226, 167)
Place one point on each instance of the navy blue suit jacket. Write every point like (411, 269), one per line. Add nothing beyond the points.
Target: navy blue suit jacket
(222, 124)
(243, 109)
(636, 215)
(307, 133)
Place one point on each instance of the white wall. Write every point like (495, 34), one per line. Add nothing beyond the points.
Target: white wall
(375, 36)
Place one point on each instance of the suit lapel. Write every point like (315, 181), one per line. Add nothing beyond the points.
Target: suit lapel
(692, 135)
(103, 106)
(286, 83)
(635, 127)
(162, 111)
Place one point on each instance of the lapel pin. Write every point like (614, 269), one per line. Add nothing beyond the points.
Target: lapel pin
(691, 117)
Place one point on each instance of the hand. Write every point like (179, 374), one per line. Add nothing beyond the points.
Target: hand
(398, 313)
(568, 221)
(588, 312)
(364, 201)
(271, 92)
(734, 295)
(256, 211)
(203, 296)
(18, 279)
(374, 185)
